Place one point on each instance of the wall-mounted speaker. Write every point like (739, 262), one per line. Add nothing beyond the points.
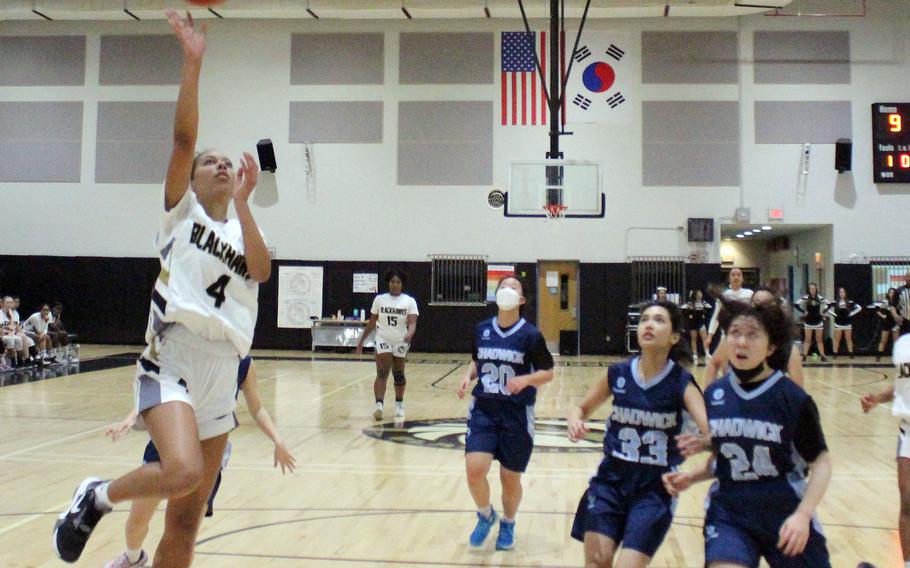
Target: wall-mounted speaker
(266, 155)
(843, 155)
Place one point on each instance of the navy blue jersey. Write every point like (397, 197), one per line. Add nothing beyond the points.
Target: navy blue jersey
(646, 418)
(501, 354)
(755, 437)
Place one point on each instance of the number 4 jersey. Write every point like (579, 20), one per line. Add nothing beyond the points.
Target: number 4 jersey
(646, 417)
(204, 284)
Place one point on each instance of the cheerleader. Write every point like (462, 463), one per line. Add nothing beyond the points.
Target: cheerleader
(889, 326)
(813, 305)
(696, 310)
(843, 311)
(900, 394)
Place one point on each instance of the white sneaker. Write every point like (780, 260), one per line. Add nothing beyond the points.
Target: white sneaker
(399, 410)
(377, 411)
(123, 562)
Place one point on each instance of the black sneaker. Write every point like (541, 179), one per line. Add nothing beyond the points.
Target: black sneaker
(74, 526)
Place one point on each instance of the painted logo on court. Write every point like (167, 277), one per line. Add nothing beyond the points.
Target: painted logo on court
(551, 434)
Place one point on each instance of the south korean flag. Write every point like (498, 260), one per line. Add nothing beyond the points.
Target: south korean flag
(602, 86)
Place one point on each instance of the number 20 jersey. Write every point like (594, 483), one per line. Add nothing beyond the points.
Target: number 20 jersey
(204, 283)
(753, 437)
(646, 417)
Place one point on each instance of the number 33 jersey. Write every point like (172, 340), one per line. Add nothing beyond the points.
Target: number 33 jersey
(204, 284)
(646, 417)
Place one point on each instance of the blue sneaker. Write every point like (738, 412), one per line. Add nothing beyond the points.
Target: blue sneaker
(506, 537)
(483, 527)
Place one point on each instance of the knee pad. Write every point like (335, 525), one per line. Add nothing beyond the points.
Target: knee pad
(398, 378)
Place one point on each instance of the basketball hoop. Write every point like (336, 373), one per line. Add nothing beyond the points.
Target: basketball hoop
(555, 211)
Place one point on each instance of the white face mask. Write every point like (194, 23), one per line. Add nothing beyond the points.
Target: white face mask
(507, 299)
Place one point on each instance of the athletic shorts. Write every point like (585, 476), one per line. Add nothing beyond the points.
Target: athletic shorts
(843, 327)
(12, 342)
(151, 454)
(396, 348)
(745, 534)
(633, 508)
(820, 325)
(903, 441)
(178, 365)
(501, 428)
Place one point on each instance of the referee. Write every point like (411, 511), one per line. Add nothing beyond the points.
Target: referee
(901, 312)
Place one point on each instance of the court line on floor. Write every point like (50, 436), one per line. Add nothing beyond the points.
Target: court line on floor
(396, 562)
(339, 389)
(452, 370)
(52, 442)
(35, 516)
(845, 391)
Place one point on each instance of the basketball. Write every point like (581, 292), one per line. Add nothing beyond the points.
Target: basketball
(205, 2)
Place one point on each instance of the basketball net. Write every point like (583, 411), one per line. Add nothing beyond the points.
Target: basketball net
(555, 211)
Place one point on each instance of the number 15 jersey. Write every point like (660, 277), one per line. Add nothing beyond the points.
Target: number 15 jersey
(204, 284)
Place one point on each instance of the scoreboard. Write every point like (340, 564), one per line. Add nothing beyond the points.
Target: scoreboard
(891, 143)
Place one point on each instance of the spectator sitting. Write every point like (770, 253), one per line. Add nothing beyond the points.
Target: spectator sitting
(20, 343)
(59, 336)
(36, 328)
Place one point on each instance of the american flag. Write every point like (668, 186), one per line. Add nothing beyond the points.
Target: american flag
(523, 100)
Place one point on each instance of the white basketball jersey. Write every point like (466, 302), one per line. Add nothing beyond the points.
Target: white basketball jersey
(392, 315)
(204, 283)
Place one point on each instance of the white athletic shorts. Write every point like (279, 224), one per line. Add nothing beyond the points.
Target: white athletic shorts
(903, 441)
(396, 348)
(12, 342)
(181, 366)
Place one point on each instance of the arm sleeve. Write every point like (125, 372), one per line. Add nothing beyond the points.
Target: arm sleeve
(540, 356)
(375, 307)
(412, 309)
(801, 305)
(712, 327)
(809, 438)
(856, 309)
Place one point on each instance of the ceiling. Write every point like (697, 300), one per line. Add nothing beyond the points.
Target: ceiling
(777, 230)
(378, 9)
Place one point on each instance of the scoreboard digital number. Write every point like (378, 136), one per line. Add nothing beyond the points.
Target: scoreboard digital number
(891, 143)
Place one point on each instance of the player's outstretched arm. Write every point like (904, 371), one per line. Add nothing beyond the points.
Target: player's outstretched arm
(250, 391)
(371, 325)
(594, 398)
(871, 400)
(716, 363)
(470, 375)
(123, 427)
(675, 482)
(186, 118)
(258, 261)
(794, 533)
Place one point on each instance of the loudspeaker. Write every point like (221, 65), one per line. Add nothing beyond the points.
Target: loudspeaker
(843, 155)
(266, 155)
